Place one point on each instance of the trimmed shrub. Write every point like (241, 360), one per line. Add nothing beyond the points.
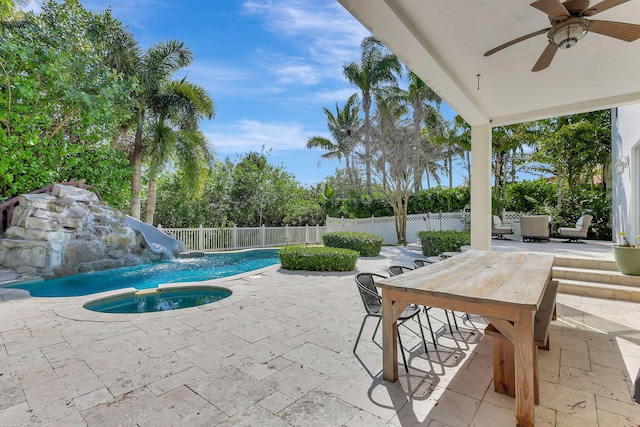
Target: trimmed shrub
(315, 258)
(439, 199)
(436, 242)
(364, 243)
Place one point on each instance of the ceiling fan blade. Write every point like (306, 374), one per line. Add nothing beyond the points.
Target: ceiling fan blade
(547, 56)
(553, 8)
(617, 30)
(602, 6)
(514, 41)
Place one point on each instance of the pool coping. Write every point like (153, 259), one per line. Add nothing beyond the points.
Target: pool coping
(72, 307)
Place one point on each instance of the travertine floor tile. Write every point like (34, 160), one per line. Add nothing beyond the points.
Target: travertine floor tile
(281, 355)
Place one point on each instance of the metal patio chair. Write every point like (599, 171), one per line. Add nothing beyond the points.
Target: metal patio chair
(373, 306)
(418, 263)
(394, 270)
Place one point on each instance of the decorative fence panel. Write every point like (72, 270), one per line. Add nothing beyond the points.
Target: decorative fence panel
(385, 226)
(219, 239)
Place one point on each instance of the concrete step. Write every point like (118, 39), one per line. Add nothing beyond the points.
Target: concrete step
(585, 263)
(599, 290)
(595, 278)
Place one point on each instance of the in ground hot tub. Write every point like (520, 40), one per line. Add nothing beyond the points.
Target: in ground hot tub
(160, 299)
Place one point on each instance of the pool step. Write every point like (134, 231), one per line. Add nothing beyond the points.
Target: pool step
(8, 276)
(595, 278)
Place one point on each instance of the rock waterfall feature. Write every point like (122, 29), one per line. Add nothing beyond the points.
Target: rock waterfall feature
(69, 231)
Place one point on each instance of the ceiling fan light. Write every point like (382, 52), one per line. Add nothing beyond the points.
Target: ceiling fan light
(569, 35)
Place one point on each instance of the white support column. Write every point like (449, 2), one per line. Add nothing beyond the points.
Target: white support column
(481, 187)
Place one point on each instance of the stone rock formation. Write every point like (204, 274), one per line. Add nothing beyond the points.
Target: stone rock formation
(70, 231)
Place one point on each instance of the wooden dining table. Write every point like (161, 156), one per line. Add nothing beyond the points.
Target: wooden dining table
(504, 287)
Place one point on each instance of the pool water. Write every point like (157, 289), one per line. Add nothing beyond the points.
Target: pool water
(152, 300)
(210, 266)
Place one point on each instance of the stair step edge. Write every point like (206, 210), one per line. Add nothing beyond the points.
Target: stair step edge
(599, 290)
(586, 263)
(596, 276)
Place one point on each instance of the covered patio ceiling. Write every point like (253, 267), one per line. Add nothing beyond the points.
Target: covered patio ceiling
(443, 41)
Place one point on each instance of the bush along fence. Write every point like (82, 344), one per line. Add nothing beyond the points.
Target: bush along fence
(385, 226)
(220, 239)
(231, 238)
(443, 221)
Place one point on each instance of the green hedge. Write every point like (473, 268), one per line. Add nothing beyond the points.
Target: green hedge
(436, 242)
(364, 243)
(315, 258)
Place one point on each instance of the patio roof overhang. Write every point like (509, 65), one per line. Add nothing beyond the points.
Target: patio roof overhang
(444, 42)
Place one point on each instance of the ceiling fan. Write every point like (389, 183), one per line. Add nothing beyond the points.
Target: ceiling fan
(569, 24)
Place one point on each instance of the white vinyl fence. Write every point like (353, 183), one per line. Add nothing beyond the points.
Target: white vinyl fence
(385, 226)
(219, 239)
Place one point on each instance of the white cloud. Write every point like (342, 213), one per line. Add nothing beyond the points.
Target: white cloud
(324, 31)
(306, 17)
(337, 95)
(292, 70)
(217, 79)
(251, 135)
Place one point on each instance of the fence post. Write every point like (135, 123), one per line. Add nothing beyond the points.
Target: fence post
(317, 239)
(234, 237)
(263, 236)
(286, 234)
(373, 227)
(306, 233)
(201, 238)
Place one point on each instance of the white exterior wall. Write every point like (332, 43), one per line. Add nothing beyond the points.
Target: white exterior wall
(626, 187)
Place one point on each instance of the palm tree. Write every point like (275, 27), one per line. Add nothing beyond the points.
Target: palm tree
(422, 99)
(9, 8)
(455, 141)
(175, 115)
(345, 130)
(157, 65)
(377, 67)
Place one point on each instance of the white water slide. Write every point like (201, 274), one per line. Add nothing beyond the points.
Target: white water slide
(157, 241)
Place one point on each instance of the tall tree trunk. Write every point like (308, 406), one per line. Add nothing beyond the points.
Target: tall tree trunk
(468, 161)
(405, 212)
(137, 168)
(350, 171)
(559, 180)
(418, 117)
(151, 200)
(366, 104)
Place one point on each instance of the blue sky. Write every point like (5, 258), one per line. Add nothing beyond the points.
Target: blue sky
(269, 65)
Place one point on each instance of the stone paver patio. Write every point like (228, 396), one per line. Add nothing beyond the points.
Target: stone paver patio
(279, 353)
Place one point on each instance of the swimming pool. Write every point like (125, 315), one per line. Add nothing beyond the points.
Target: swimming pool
(210, 266)
(154, 300)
